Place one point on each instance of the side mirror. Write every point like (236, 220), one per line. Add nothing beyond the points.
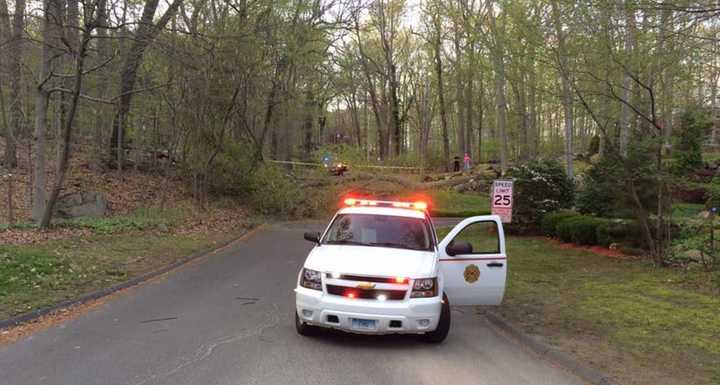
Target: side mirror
(458, 247)
(312, 236)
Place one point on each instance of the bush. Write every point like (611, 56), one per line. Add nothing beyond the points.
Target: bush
(687, 150)
(549, 222)
(579, 229)
(603, 191)
(690, 192)
(540, 187)
(624, 232)
(713, 193)
(272, 193)
(231, 171)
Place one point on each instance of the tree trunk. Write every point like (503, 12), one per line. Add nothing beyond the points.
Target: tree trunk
(500, 97)
(102, 56)
(459, 90)
(437, 48)
(68, 123)
(7, 38)
(145, 34)
(50, 37)
(626, 82)
(469, 100)
(567, 95)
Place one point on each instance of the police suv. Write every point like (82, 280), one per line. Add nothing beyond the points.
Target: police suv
(378, 268)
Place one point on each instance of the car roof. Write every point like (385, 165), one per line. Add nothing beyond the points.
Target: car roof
(393, 211)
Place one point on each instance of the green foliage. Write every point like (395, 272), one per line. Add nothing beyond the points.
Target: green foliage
(550, 221)
(686, 210)
(579, 229)
(231, 170)
(623, 232)
(25, 269)
(352, 155)
(687, 150)
(142, 219)
(272, 193)
(713, 193)
(604, 188)
(541, 187)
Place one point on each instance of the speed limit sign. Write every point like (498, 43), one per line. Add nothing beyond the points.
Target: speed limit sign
(501, 199)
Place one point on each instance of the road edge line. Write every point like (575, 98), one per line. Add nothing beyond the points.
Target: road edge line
(104, 292)
(545, 351)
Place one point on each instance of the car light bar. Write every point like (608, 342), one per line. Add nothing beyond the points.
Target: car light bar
(422, 206)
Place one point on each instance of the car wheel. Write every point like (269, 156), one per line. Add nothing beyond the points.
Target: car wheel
(302, 328)
(440, 333)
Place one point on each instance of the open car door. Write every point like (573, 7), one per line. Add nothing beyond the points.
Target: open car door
(473, 263)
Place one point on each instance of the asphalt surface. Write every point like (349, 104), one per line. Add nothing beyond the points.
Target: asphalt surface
(228, 320)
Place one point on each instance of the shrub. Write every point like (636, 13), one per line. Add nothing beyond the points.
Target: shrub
(272, 193)
(231, 171)
(689, 192)
(713, 193)
(540, 187)
(624, 232)
(604, 190)
(687, 150)
(549, 222)
(579, 229)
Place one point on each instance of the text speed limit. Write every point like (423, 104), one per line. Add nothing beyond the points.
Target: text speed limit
(502, 199)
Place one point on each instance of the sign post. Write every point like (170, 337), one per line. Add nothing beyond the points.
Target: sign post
(501, 199)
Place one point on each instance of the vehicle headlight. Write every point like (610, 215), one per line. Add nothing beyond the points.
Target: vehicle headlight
(424, 288)
(311, 279)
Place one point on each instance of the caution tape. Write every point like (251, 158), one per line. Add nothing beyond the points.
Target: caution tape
(353, 166)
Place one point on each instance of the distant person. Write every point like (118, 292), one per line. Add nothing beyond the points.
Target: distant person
(466, 162)
(456, 164)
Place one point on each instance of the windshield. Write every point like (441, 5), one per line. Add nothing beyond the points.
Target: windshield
(381, 231)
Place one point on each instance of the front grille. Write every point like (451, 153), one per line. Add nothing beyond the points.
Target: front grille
(394, 295)
(349, 277)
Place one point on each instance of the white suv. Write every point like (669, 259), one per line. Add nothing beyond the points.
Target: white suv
(378, 268)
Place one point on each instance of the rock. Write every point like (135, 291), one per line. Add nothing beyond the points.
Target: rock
(81, 204)
(693, 255)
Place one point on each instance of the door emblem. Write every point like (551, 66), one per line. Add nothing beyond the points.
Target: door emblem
(472, 273)
(365, 285)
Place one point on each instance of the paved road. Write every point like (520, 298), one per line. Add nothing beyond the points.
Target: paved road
(228, 320)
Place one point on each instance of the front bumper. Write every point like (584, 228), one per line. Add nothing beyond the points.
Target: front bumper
(409, 316)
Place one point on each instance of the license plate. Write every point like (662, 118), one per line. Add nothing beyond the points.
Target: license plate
(363, 324)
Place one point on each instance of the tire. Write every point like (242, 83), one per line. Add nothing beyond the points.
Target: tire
(302, 328)
(440, 333)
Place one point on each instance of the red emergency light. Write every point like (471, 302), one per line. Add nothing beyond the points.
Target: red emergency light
(354, 202)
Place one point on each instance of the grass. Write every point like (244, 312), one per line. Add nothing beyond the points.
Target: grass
(141, 219)
(448, 203)
(118, 248)
(35, 276)
(687, 210)
(642, 324)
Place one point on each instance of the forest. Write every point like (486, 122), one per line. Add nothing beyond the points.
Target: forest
(220, 87)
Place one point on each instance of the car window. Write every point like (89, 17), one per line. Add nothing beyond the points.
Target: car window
(482, 237)
(380, 231)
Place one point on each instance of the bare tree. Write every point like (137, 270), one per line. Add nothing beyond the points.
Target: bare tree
(145, 34)
(79, 54)
(51, 32)
(561, 56)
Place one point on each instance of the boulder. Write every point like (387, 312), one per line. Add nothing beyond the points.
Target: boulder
(81, 204)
